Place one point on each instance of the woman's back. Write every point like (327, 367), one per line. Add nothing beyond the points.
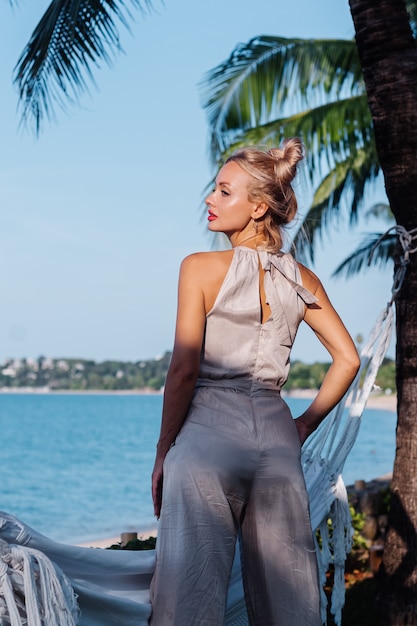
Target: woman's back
(252, 324)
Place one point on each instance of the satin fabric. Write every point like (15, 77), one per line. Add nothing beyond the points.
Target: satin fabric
(234, 470)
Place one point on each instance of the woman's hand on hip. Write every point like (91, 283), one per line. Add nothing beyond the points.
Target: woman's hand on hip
(303, 429)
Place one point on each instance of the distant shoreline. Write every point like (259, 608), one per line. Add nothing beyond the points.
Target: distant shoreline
(384, 402)
(381, 401)
(107, 542)
(45, 391)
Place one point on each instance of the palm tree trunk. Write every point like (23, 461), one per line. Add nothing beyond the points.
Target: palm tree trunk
(388, 56)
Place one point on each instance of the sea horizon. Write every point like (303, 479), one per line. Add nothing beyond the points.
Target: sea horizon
(377, 399)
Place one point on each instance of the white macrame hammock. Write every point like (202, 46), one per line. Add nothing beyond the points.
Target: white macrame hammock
(44, 583)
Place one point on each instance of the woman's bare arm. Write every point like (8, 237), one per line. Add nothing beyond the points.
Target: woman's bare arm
(184, 366)
(331, 332)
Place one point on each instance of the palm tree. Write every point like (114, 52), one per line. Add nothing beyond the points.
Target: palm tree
(55, 67)
(389, 60)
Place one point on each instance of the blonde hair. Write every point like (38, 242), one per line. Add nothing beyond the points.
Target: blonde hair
(272, 172)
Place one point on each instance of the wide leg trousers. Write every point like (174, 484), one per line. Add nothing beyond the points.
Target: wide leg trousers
(235, 469)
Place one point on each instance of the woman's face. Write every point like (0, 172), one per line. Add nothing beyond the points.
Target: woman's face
(229, 209)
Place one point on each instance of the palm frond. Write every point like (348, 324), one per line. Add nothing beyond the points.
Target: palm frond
(55, 66)
(331, 132)
(344, 186)
(261, 77)
(381, 211)
(348, 177)
(368, 254)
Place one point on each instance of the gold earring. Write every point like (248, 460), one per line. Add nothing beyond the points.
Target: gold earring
(255, 225)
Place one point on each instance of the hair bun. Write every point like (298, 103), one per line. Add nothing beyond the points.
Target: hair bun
(287, 157)
(276, 153)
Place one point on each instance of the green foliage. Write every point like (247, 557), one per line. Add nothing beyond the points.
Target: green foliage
(250, 91)
(135, 544)
(73, 35)
(385, 378)
(373, 250)
(358, 523)
(84, 375)
(303, 376)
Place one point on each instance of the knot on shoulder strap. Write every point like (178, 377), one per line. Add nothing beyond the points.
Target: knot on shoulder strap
(268, 260)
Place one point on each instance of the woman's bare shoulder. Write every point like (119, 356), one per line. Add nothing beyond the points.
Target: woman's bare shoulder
(207, 262)
(309, 279)
(207, 271)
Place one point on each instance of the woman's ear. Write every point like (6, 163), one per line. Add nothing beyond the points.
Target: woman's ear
(259, 211)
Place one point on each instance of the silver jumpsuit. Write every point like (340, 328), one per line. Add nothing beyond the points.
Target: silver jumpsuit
(234, 470)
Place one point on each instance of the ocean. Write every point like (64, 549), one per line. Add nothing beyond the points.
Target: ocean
(77, 467)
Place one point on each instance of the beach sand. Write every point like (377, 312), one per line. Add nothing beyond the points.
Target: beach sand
(384, 402)
(100, 543)
(106, 543)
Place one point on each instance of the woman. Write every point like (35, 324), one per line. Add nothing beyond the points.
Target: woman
(228, 456)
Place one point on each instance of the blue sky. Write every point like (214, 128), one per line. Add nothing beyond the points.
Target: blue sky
(97, 213)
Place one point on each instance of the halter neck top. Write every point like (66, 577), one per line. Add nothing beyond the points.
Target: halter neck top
(237, 345)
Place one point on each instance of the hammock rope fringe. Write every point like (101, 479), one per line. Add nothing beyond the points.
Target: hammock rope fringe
(42, 582)
(33, 590)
